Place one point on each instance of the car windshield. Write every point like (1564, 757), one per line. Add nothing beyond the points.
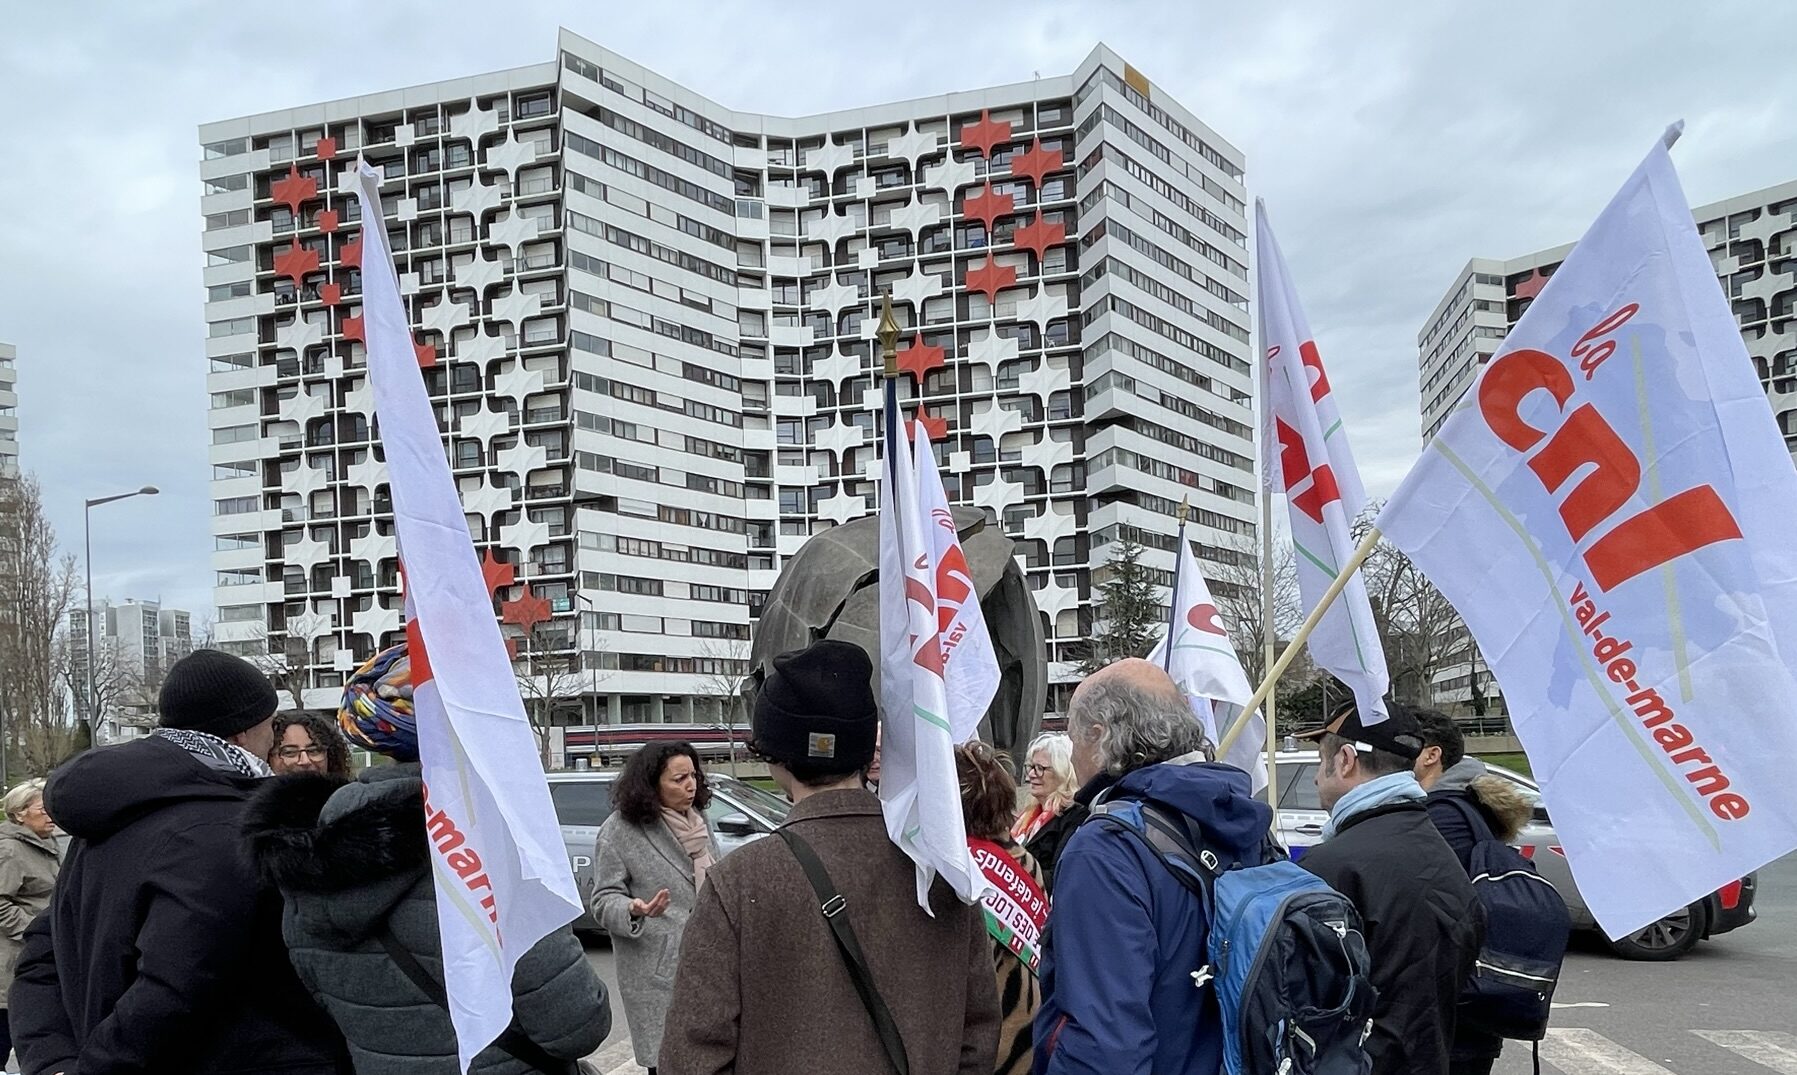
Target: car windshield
(771, 807)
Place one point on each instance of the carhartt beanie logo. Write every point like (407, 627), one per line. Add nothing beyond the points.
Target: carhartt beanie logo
(816, 706)
(214, 692)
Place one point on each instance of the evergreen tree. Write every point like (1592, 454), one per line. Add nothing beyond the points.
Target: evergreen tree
(1128, 619)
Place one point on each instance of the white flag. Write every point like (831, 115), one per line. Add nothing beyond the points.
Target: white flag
(1611, 510)
(1198, 655)
(1315, 469)
(969, 667)
(920, 795)
(502, 876)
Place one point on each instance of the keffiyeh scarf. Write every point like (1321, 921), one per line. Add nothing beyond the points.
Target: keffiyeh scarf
(215, 753)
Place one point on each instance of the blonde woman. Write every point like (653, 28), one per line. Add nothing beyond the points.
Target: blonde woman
(1052, 815)
(29, 860)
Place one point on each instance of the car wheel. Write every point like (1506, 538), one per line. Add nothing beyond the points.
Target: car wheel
(1667, 939)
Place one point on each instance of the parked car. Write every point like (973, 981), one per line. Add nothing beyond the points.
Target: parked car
(739, 813)
(1300, 822)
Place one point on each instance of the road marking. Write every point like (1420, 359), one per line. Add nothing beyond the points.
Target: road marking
(1578, 1051)
(1767, 1048)
(1581, 1004)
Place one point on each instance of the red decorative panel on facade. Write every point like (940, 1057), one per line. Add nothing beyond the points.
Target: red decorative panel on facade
(985, 134)
(920, 358)
(294, 189)
(415, 653)
(327, 220)
(1529, 288)
(327, 148)
(1036, 163)
(351, 254)
(527, 611)
(990, 278)
(330, 294)
(987, 206)
(427, 354)
(497, 573)
(352, 329)
(295, 262)
(1039, 234)
(937, 428)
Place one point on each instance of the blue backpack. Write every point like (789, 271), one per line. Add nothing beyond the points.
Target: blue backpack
(1511, 991)
(1287, 958)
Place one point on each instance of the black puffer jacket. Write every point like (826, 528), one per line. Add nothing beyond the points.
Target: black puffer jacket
(1045, 847)
(161, 952)
(1423, 928)
(351, 861)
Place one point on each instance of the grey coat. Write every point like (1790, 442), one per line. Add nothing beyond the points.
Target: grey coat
(351, 862)
(634, 861)
(28, 866)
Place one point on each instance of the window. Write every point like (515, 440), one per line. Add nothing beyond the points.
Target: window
(236, 326)
(237, 397)
(230, 255)
(533, 106)
(228, 363)
(235, 505)
(234, 434)
(235, 218)
(242, 289)
(586, 804)
(240, 614)
(230, 148)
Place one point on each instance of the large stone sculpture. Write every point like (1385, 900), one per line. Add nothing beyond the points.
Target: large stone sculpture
(830, 590)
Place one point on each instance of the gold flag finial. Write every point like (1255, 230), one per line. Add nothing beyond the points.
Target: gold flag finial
(889, 334)
(1185, 509)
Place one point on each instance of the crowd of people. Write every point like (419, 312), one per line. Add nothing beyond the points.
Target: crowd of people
(235, 900)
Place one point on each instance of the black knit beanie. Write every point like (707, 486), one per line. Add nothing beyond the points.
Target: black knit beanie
(211, 691)
(816, 708)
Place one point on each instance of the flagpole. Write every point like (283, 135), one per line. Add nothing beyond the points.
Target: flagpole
(1269, 638)
(889, 333)
(1179, 559)
(1334, 591)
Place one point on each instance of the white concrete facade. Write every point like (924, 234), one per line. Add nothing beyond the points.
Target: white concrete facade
(9, 411)
(141, 639)
(1752, 241)
(653, 328)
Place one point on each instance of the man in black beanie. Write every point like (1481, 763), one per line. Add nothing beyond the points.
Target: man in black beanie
(161, 951)
(760, 920)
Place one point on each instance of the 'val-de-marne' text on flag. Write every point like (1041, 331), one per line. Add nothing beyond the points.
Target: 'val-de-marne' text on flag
(1306, 455)
(1611, 510)
(932, 681)
(1203, 662)
(502, 876)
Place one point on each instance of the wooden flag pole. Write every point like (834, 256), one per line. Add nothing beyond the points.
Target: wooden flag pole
(1365, 550)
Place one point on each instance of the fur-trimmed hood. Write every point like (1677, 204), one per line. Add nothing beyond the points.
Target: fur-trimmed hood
(1504, 804)
(317, 834)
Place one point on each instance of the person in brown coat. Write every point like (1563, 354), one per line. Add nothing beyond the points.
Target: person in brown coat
(762, 988)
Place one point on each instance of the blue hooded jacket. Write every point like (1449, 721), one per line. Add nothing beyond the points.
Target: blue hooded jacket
(1124, 936)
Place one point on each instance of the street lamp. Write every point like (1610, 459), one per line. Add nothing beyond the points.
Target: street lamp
(87, 540)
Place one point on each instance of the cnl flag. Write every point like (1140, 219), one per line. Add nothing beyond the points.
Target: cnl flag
(1611, 510)
(1306, 456)
(921, 601)
(1197, 653)
(502, 877)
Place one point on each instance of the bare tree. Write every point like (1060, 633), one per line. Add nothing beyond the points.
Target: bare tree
(291, 654)
(550, 680)
(1420, 630)
(38, 587)
(1238, 580)
(725, 685)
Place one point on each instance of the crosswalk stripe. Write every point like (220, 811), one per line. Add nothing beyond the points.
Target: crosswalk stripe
(1578, 1051)
(1767, 1048)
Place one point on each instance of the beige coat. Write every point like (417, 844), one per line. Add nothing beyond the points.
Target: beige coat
(637, 861)
(28, 866)
(762, 988)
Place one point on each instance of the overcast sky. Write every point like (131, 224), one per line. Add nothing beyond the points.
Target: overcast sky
(1391, 141)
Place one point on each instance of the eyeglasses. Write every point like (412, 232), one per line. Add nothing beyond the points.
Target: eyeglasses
(294, 753)
(1033, 769)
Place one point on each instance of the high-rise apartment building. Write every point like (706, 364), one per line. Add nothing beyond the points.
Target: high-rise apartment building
(1752, 241)
(138, 641)
(9, 412)
(647, 322)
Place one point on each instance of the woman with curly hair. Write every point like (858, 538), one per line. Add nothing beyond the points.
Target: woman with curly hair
(649, 862)
(308, 743)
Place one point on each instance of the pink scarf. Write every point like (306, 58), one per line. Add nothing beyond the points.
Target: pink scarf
(688, 827)
(1030, 822)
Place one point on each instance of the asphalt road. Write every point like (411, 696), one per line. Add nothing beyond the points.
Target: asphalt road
(1728, 1008)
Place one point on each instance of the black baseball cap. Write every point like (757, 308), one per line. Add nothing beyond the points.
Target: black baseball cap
(1399, 733)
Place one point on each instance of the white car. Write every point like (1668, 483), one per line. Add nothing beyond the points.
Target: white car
(1300, 825)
